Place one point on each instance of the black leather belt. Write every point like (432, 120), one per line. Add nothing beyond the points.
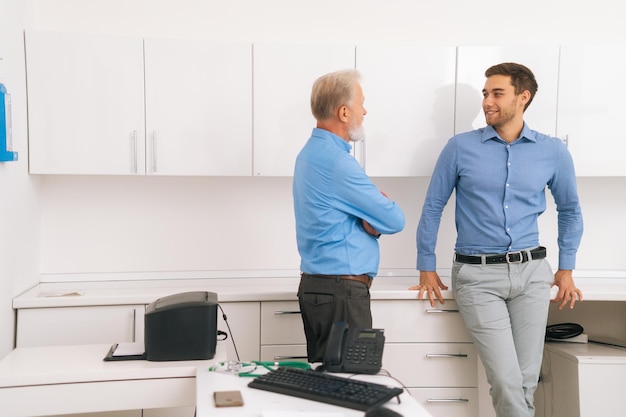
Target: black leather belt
(504, 258)
(364, 278)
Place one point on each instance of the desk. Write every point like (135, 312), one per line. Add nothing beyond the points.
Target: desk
(256, 401)
(41, 381)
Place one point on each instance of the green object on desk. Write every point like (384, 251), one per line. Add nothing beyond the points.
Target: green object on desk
(268, 366)
(235, 367)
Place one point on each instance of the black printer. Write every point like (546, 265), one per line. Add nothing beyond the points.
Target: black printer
(181, 327)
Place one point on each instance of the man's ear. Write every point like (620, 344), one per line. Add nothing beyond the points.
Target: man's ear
(525, 96)
(342, 113)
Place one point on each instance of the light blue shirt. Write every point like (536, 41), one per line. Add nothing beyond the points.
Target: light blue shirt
(331, 194)
(500, 193)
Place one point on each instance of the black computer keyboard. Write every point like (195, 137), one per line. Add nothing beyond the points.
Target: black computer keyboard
(330, 389)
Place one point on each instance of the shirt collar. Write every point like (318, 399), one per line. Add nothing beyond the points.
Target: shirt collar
(338, 141)
(490, 133)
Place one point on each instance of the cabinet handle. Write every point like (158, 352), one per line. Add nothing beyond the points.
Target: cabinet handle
(446, 355)
(154, 152)
(284, 357)
(447, 400)
(134, 150)
(441, 310)
(134, 326)
(283, 313)
(566, 141)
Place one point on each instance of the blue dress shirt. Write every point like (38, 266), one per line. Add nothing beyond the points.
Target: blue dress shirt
(331, 194)
(500, 193)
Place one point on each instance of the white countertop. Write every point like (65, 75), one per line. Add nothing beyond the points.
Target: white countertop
(589, 352)
(254, 286)
(30, 366)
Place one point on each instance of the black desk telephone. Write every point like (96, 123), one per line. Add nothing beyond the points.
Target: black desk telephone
(354, 350)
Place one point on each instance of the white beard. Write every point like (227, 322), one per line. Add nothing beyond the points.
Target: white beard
(356, 134)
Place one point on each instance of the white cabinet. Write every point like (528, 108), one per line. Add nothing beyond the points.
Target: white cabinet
(85, 104)
(431, 352)
(472, 63)
(583, 380)
(429, 349)
(283, 77)
(590, 104)
(49, 326)
(282, 331)
(409, 94)
(87, 114)
(244, 329)
(198, 107)
(79, 325)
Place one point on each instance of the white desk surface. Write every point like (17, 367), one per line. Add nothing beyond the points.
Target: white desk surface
(257, 402)
(39, 381)
(592, 353)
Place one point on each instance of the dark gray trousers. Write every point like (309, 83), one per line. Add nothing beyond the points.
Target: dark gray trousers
(323, 301)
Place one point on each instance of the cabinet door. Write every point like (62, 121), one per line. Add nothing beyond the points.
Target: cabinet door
(409, 94)
(244, 332)
(85, 104)
(420, 322)
(591, 102)
(281, 323)
(283, 77)
(432, 364)
(79, 325)
(474, 61)
(198, 107)
(448, 402)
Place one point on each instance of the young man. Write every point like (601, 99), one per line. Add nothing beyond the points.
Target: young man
(500, 277)
(339, 215)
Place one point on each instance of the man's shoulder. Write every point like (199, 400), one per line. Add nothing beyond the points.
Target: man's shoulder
(468, 136)
(548, 140)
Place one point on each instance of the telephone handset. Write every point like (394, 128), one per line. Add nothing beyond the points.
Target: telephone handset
(354, 350)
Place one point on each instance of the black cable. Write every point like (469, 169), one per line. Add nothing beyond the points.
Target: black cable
(563, 331)
(229, 331)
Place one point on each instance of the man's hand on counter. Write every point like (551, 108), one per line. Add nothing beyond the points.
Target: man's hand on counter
(431, 285)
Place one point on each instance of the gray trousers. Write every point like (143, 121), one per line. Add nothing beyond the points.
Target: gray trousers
(505, 309)
(324, 301)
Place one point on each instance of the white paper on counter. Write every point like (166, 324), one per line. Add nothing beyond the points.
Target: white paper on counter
(283, 413)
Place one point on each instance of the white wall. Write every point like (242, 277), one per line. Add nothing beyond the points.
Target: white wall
(19, 199)
(102, 224)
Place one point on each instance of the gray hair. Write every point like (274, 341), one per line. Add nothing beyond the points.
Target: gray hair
(332, 91)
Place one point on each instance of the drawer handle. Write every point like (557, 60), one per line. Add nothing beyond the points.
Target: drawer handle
(282, 313)
(447, 400)
(440, 310)
(283, 357)
(446, 355)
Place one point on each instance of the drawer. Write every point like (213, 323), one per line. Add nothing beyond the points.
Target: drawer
(283, 353)
(80, 325)
(432, 364)
(281, 323)
(417, 321)
(448, 402)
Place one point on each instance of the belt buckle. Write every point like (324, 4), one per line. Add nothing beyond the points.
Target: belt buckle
(507, 256)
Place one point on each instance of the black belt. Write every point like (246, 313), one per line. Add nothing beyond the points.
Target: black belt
(364, 278)
(504, 258)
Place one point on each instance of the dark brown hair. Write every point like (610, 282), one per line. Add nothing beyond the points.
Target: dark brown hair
(522, 78)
